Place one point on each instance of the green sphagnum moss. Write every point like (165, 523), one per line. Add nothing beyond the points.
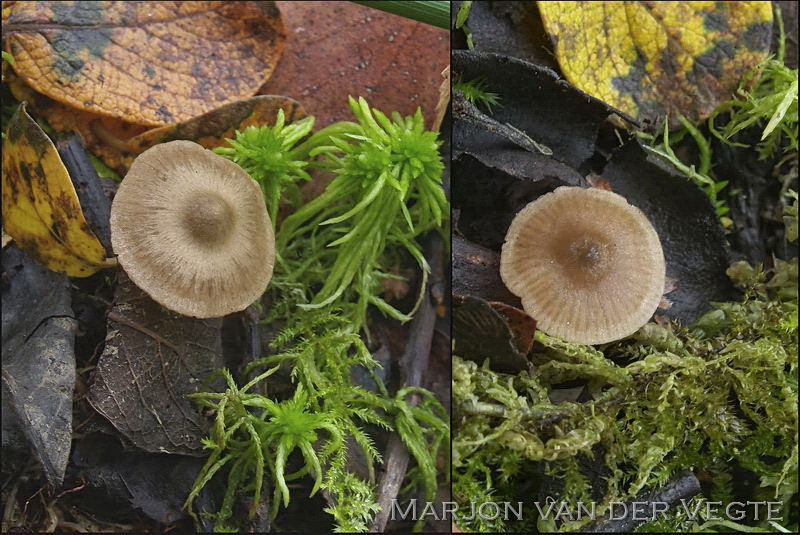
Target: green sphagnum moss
(332, 253)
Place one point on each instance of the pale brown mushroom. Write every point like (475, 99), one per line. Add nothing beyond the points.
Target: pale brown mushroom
(191, 229)
(587, 265)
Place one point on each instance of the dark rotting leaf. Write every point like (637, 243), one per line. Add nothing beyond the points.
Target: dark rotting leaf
(481, 332)
(497, 178)
(152, 359)
(684, 218)
(38, 364)
(95, 204)
(476, 272)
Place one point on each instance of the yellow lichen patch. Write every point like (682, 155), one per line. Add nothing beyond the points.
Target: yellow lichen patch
(650, 59)
(149, 63)
(41, 210)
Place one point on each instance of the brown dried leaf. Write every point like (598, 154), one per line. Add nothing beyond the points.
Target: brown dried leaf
(103, 136)
(444, 100)
(213, 128)
(148, 63)
(118, 143)
(521, 325)
(152, 359)
(338, 49)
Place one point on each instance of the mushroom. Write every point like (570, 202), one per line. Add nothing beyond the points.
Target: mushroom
(585, 263)
(191, 229)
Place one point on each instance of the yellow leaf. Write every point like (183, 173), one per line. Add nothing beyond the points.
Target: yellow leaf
(41, 210)
(649, 59)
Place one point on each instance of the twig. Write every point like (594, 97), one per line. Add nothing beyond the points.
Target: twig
(682, 486)
(414, 363)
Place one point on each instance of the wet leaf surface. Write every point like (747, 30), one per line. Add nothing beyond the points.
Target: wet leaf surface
(213, 128)
(152, 359)
(652, 59)
(157, 484)
(569, 122)
(480, 331)
(95, 204)
(146, 63)
(338, 49)
(476, 272)
(38, 333)
(40, 207)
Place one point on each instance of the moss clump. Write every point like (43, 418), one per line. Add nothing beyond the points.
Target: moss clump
(332, 253)
(716, 397)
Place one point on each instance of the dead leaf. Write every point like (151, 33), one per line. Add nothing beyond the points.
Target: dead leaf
(40, 207)
(155, 484)
(117, 143)
(476, 272)
(481, 331)
(38, 364)
(521, 325)
(103, 136)
(152, 359)
(148, 63)
(213, 128)
(649, 59)
(444, 100)
(93, 196)
(340, 49)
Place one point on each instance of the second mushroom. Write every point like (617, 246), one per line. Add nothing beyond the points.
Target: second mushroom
(587, 265)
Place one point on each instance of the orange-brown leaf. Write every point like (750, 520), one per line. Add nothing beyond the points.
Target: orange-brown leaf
(103, 136)
(148, 63)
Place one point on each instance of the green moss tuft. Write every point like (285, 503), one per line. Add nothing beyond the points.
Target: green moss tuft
(717, 395)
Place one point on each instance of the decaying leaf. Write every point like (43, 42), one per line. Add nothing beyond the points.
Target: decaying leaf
(213, 128)
(38, 364)
(152, 359)
(649, 59)
(444, 100)
(155, 484)
(148, 63)
(103, 136)
(117, 142)
(483, 330)
(340, 49)
(40, 207)
(495, 182)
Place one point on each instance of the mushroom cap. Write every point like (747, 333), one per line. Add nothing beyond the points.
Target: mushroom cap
(585, 263)
(191, 229)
